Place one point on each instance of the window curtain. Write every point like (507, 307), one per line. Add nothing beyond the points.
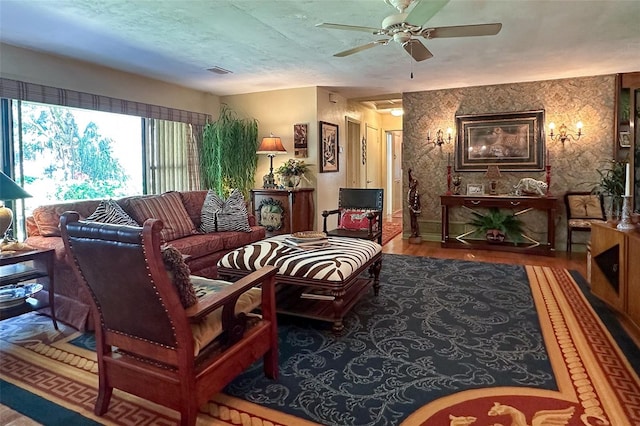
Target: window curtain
(167, 156)
(15, 89)
(194, 141)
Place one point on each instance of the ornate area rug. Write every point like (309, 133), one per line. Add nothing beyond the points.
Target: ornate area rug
(445, 343)
(390, 230)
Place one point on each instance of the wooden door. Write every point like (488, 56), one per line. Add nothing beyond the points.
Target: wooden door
(374, 159)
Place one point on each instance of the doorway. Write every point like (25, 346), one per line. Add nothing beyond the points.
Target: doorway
(394, 172)
(353, 153)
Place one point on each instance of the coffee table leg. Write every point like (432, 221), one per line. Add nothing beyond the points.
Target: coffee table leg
(374, 271)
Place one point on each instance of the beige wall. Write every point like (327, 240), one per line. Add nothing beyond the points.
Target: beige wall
(574, 164)
(35, 67)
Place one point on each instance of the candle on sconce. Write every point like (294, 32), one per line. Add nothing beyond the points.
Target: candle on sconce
(627, 186)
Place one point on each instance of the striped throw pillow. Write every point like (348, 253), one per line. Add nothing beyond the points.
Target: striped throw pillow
(220, 215)
(169, 209)
(109, 211)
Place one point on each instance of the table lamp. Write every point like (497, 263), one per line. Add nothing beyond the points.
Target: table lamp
(9, 190)
(270, 146)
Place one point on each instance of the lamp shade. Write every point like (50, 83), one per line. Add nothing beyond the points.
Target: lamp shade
(9, 190)
(271, 145)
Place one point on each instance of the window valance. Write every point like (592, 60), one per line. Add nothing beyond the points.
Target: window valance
(32, 92)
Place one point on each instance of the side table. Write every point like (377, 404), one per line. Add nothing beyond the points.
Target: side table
(283, 211)
(21, 266)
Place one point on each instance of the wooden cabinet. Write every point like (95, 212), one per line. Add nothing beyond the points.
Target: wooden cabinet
(283, 211)
(615, 271)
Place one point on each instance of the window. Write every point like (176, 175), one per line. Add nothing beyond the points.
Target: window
(60, 153)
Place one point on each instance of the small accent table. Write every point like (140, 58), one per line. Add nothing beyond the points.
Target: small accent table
(520, 205)
(21, 266)
(283, 211)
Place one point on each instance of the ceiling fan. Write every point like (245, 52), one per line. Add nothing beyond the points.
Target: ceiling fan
(404, 27)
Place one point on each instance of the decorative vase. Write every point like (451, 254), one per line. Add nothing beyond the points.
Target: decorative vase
(495, 236)
(294, 181)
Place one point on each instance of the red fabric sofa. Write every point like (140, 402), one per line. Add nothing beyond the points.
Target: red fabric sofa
(202, 250)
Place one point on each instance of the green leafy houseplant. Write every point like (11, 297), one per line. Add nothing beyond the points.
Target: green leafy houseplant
(228, 158)
(497, 225)
(611, 184)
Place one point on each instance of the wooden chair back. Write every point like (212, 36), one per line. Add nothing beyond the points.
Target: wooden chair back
(144, 341)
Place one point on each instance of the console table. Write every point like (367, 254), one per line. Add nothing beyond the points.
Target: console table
(519, 205)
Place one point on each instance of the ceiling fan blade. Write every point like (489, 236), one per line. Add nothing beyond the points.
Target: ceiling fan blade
(361, 48)
(463, 31)
(417, 50)
(349, 27)
(424, 10)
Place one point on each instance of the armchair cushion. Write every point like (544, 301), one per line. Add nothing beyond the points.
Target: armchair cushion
(357, 219)
(220, 215)
(109, 211)
(179, 274)
(169, 209)
(207, 330)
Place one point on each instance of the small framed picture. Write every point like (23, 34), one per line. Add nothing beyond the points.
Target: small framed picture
(300, 149)
(625, 139)
(475, 189)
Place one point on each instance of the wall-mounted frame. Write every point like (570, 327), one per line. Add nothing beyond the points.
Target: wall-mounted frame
(513, 141)
(300, 149)
(475, 189)
(329, 154)
(625, 139)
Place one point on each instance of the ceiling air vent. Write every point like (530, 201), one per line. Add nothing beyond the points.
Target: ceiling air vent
(219, 70)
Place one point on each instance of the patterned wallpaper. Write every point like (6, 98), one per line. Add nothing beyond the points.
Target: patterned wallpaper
(573, 165)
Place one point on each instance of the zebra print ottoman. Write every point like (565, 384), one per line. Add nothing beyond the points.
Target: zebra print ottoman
(322, 283)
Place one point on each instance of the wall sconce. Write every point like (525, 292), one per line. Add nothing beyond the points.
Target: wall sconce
(440, 139)
(563, 134)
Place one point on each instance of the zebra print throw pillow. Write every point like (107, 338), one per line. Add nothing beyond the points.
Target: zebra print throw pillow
(220, 215)
(109, 211)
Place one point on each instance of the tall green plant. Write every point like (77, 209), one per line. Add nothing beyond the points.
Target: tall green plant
(228, 158)
(611, 183)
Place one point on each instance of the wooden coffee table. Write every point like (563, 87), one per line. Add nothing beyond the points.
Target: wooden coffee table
(322, 284)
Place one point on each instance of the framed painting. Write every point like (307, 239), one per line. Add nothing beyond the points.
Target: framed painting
(300, 149)
(512, 141)
(328, 147)
(625, 139)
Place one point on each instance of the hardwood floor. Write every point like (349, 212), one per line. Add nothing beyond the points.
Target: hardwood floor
(573, 261)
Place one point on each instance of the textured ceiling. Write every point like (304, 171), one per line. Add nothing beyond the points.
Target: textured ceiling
(274, 44)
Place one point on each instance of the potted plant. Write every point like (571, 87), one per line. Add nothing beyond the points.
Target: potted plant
(497, 225)
(292, 171)
(611, 185)
(228, 158)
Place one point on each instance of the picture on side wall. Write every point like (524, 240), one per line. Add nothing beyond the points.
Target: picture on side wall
(625, 139)
(328, 147)
(510, 141)
(300, 149)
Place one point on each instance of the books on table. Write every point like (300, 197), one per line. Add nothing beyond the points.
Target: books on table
(307, 240)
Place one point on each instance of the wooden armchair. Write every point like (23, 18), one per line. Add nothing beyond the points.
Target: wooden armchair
(147, 343)
(583, 208)
(359, 214)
